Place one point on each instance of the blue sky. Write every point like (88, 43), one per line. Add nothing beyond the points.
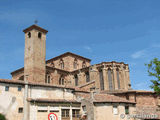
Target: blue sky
(102, 30)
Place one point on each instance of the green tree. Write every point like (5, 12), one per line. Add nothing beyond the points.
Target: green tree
(2, 117)
(154, 71)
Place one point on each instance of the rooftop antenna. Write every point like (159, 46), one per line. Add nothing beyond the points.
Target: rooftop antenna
(35, 22)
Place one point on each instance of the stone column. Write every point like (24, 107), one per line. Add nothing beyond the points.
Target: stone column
(70, 112)
(123, 77)
(60, 113)
(105, 78)
(115, 81)
(128, 82)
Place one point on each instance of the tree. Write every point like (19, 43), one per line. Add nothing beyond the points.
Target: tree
(2, 117)
(154, 71)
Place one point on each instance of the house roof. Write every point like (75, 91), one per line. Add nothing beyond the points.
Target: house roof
(34, 84)
(48, 100)
(104, 98)
(100, 98)
(126, 91)
(35, 27)
(68, 53)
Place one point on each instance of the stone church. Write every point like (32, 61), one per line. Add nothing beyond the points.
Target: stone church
(72, 88)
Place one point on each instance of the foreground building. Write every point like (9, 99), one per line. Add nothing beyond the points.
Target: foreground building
(70, 87)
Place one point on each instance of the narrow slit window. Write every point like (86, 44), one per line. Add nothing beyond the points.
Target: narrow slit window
(101, 79)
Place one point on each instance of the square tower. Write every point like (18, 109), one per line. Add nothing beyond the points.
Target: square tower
(35, 53)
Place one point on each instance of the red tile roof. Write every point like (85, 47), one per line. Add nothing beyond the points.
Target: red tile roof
(35, 27)
(52, 100)
(34, 84)
(98, 98)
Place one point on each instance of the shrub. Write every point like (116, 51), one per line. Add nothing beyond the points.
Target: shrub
(2, 117)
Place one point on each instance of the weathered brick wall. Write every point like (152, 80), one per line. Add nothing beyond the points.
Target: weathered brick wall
(68, 63)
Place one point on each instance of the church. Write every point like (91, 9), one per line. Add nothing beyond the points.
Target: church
(72, 88)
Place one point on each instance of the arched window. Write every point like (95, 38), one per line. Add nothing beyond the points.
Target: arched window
(39, 35)
(87, 76)
(76, 80)
(110, 79)
(48, 78)
(62, 64)
(101, 79)
(29, 35)
(118, 80)
(83, 64)
(75, 64)
(61, 80)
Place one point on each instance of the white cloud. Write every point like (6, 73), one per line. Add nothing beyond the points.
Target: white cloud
(138, 54)
(88, 48)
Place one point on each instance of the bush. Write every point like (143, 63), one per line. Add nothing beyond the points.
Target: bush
(2, 117)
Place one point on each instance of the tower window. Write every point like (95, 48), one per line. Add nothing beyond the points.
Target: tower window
(29, 35)
(39, 35)
(61, 80)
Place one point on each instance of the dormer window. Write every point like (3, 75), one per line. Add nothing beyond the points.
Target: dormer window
(39, 35)
(29, 35)
(75, 64)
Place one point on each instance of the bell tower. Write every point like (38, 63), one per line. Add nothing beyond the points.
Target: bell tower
(35, 53)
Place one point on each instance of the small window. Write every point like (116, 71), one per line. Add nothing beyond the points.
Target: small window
(83, 64)
(76, 80)
(19, 88)
(75, 64)
(48, 78)
(115, 110)
(87, 77)
(126, 109)
(39, 35)
(65, 113)
(6, 88)
(29, 35)
(61, 80)
(75, 113)
(20, 110)
(42, 110)
(84, 108)
(62, 64)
